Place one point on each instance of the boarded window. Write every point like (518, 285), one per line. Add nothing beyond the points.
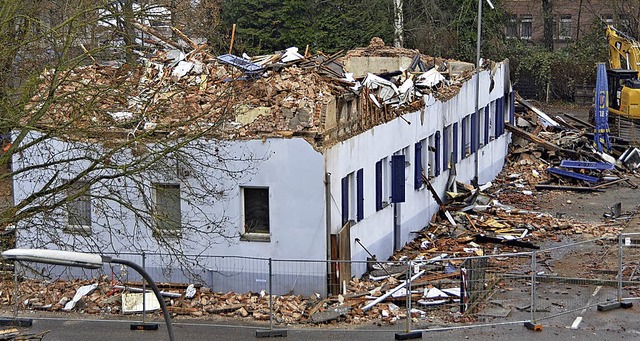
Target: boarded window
(256, 210)
(454, 144)
(79, 205)
(360, 194)
(417, 176)
(437, 153)
(378, 186)
(167, 207)
(397, 178)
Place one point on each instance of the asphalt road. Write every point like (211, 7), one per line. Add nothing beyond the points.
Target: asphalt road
(615, 325)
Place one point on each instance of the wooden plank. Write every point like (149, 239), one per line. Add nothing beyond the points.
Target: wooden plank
(569, 188)
(344, 254)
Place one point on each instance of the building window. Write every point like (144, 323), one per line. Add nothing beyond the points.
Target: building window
(512, 28)
(382, 184)
(475, 137)
(437, 153)
(431, 156)
(79, 207)
(360, 194)
(487, 124)
(417, 176)
(397, 178)
(256, 213)
(454, 144)
(446, 148)
(564, 28)
(353, 197)
(465, 137)
(526, 27)
(167, 213)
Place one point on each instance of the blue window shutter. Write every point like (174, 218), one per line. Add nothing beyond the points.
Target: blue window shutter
(474, 132)
(445, 149)
(499, 116)
(345, 200)
(512, 107)
(455, 143)
(464, 139)
(501, 121)
(397, 178)
(360, 194)
(486, 125)
(418, 167)
(379, 185)
(437, 155)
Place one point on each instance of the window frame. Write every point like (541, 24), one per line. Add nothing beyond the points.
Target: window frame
(565, 27)
(82, 199)
(258, 236)
(526, 27)
(159, 187)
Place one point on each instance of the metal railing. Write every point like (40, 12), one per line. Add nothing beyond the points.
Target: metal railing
(443, 292)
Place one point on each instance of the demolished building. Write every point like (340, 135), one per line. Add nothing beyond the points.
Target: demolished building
(329, 159)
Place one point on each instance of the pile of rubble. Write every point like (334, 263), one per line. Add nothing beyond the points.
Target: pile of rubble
(175, 92)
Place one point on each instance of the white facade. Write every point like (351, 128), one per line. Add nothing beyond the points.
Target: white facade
(294, 174)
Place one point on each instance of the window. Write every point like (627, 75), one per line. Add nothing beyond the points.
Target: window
(379, 186)
(446, 147)
(418, 165)
(397, 178)
(465, 137)
(431, 156)
(256, 213)
(487, 124)
(564, 29)
(79, 207)
(475, 137)
(353, 197)
(526, 27)
(437, 152)
(512, 28)
(454, 144)
(360, 194)
(499, 124)
(167, 213)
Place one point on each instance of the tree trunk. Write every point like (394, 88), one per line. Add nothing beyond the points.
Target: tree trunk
(398, 25)
(128, 31)
(547, 14)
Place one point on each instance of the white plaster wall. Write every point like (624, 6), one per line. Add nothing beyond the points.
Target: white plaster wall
(291, 169)
(375, 231)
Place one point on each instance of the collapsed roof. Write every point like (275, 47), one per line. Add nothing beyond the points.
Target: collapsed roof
(283, 94)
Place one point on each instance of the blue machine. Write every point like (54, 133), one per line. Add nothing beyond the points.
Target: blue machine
(601, 135)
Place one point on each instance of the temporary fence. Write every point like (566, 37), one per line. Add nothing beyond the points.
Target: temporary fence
(437, 291)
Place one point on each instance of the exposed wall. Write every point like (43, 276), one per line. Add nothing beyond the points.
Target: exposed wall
(290, 168)
(375, 230)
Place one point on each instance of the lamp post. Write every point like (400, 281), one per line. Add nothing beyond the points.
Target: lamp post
(476, 139)
(87, 261)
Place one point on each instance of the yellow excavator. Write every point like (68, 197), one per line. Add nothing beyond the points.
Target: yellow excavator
(622, 76)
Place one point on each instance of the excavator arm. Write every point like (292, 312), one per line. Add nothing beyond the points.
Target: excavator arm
(624, 51)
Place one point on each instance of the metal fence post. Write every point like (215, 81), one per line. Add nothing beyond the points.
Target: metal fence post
(270, 296)
(408, 298)
(144, 290)
(534, 270)
(15, 290)
(620, 244)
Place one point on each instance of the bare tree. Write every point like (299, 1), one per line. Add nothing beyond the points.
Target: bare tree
(96, 148)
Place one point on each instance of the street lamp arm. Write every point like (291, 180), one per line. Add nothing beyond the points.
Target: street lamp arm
(154, 287)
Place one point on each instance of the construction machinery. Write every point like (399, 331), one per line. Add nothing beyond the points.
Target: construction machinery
(624, 65)
(624, 86)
